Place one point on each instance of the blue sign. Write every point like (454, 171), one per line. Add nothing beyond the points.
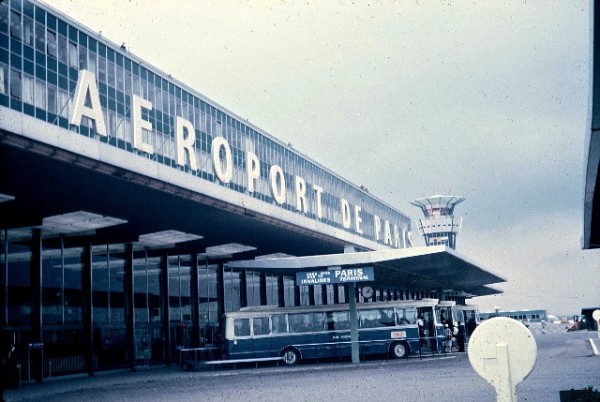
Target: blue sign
(335, 275)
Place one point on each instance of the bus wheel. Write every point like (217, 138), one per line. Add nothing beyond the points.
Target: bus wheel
(398, 350)
(290, 356)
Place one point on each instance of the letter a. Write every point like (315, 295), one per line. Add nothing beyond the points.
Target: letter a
(87, 84)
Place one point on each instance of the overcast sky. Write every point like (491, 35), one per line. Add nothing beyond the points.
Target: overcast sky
(485, 100)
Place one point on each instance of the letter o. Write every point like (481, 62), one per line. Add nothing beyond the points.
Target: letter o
(277, 183)
(224, 173)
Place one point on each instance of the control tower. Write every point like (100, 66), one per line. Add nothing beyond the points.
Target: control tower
(440, 226)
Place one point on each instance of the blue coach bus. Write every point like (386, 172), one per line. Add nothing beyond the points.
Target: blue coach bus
(323, 331)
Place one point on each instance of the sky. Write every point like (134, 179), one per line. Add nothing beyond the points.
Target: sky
(479, 99)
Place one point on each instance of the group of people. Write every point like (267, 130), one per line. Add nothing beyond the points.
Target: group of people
(454, 334)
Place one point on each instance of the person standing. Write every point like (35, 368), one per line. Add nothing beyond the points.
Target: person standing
(460, 337)
(543, 326)
(7, 349)
(421, 325)
(448, 335)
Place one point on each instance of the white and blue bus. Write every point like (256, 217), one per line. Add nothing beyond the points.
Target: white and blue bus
(323, 331)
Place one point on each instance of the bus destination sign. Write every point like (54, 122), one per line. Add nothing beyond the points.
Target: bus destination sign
(335, 275)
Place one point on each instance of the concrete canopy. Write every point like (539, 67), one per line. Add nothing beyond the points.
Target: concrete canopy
(419, 268)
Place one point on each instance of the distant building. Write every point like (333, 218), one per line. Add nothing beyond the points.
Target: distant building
(530, 315)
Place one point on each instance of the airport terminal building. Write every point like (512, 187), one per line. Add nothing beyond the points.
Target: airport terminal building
(134, 211)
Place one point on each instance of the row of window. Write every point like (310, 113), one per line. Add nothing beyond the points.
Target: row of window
(318, 322)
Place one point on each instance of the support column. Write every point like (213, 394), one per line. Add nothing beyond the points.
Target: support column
(166, 315)
(296, 293)
(351, 295)
(351, 290)
(129, 306)
(35, 286)
(194, 302)
(263, 288)
(244, 289)
(336, 294)
(311, 295)
(4, 282)
(221, 290)
(281, 290)
(441, 295)
(87, 308)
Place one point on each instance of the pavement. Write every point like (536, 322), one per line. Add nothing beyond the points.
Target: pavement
(74, 384)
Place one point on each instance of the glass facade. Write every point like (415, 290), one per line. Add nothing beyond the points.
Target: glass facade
(156, 337)
(42, 55)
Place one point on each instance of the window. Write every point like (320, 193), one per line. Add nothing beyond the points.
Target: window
(300, 322)
(406, 316)
(73, 56)
(28, 89)
(241, 327)
(3, 77)
(279, 324)
(28, 31)
(40, 94)
(376, 318)
(62, 49)
(82, 57)
(15, 25)
(307, 322)
(40, 37)
(15, 84)
(338, 321)
(3, 18)
(52, 99)
(52, 48)
(261, 326)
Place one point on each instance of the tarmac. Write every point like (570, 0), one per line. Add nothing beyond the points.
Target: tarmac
(33, 391)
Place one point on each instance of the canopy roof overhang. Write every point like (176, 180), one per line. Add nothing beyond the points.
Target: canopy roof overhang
(69, 184)
(436, 268)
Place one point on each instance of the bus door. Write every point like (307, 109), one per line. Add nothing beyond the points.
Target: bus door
(261, 337)
(432, 331)
(471, 322)
(239, 346)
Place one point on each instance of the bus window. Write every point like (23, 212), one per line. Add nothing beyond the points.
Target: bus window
(307, 322)
(457, 316)
(241, 327)
(261, 326)
(338, 321)
(376, 318)
(406, 316)
(300, 322)
(443, 315)
(319, 322)
(279, 324)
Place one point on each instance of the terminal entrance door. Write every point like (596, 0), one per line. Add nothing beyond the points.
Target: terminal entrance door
(147, 305)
